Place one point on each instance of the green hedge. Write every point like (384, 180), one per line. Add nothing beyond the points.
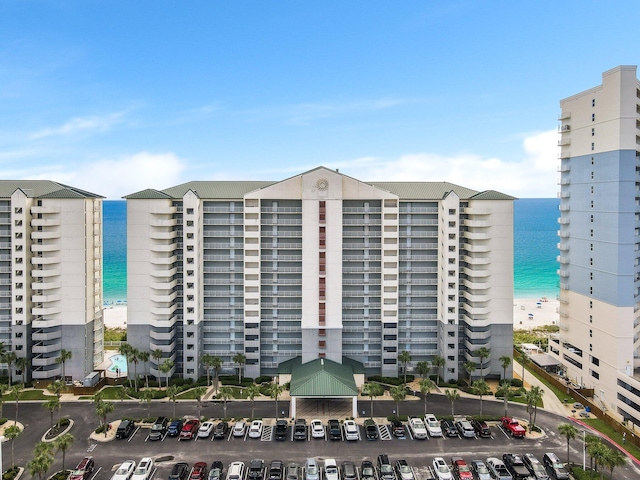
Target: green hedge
(390, 380)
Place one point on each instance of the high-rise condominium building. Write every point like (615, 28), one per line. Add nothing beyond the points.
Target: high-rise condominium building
(599, 336)
(320, 265)
(50, 278)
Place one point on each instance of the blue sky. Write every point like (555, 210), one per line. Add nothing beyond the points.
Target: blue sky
(115, 96)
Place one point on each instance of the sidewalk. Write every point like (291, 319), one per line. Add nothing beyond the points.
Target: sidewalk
(551, 402)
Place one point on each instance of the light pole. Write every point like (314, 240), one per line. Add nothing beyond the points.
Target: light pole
(584, 450)
(2, 439)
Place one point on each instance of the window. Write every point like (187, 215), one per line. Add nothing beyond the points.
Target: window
(593, 117)
(451, 346)
(591, 333)
(593, 160)
(593, 146)
(590, 275)
(595, 374)
(590, 318)
(591, 232)
(189, 211)
(590, 303)
(451, 358)
(593, 102)
(592, 175)
(591, 218)
(452, 211)
(593, 132)
(591, 347)
(591, 263)
(590, 290)
(591, 246)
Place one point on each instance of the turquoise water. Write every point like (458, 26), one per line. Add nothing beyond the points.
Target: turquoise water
(120, 362)
(535, 240)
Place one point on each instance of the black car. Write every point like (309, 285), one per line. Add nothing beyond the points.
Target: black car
(221, 430)
(125, 428)
(516, 466)
(555, 466)
(367, 471)
(175, 427)
(300, 429)
(256, 469)
(449, 428)
(216, 472)
(281, 430)
(481, 428)
(275, 470)
(180, 471)
(371, 429)
(335, 432)
(158, 429)
(397, 427)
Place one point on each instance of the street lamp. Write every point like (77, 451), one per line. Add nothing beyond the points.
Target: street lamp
(584, 450)
(2, 439)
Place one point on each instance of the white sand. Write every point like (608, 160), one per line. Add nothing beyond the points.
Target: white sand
(115, 316)
(544, 313)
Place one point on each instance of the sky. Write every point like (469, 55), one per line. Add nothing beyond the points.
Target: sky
(115, 97)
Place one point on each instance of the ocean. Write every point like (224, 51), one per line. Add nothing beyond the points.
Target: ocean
(535, 250)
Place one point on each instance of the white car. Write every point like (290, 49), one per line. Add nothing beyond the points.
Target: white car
(441, 469)
(433, 425)
(317, 429)
(238, 429)
(418, 429)
(255, 430)
(331, 469)
(205, 429)
(351, 430)
(144, 470)
(124, 471)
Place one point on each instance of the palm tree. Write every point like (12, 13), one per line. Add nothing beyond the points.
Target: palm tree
(3, 389)
(482, 352)
(252, 392)
(42, 460)
(134, 353)
(438, 363)
(216, 363)
(9, 358)
(426, 385)
(597, 452)
(144, 358)
(166, 367)
(207, 361)
(589, 442)
(481, 388)
(398, 393)
(505, 390)
(125, 350)
(452, 396)
(240, 359)
(16, 390)
(146, 395)
(612, 459)
(52, 405)
(505, 361)
(274, 392)
(469, 367)
(404, 357)
(22, 363)
(103, 409)
(198, 393)
(225, 394)
(372, 389)
(65, 355)
(157, 356)
(423, 368)
(62, 444)
(11, 433)
(524, 360)
(533, 397)
(172, 393)
(570, 431)
(56, 387)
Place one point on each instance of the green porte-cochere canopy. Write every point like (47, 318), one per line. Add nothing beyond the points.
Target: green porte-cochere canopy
(320, 378)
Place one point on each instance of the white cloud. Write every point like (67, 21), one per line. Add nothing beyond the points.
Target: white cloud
(80, 125)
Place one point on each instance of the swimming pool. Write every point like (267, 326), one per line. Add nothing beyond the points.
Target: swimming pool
(118, 362)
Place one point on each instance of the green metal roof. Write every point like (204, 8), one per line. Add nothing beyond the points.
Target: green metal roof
(322, 378)
(147, 194)
(42, 189)
(492, 195)
(215, 189)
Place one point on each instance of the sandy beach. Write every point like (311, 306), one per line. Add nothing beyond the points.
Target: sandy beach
(115, 316)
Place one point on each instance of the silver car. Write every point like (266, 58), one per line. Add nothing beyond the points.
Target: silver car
(311, 470)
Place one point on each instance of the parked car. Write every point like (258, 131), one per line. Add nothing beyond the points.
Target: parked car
(255, 430)
(199, 471)
(300, 429)
(125, 471)
(311, 469)
(349, 471)
(404, 470)
(512, 427)
(555, 466)
(367, 471)
(189, 430)
(239, 428)
(461, 470)
(256, 469)
(498, 469)
(465, 429)
(417, 428)
(385, 468)
(331, 469)
(293, 472)
(217, 471)
(144, 469)
(236, 471)
(449, 428)
(158, 429)
(179, 471)
(433, 426)
(351, 430)
(275, 470)
(125, 428)
(535, 467)
(83, 470)
(397, 427)
(481, 428)
(281, 430)
(221, 430)
(516, 466)
(371, 429)
(335, 432)
(174, 429)
(317, 429)
(205, 429)
(441, 469)
(481, 470)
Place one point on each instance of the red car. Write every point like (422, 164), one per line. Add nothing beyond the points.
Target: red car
(199, 471)
(189, 430)
(83, 470)
(513, 427)
(461, 469)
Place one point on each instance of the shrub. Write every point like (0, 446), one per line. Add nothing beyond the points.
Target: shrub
(11, 473)
(402, 418)
(516, 382)
(264, 379)
(462, 382)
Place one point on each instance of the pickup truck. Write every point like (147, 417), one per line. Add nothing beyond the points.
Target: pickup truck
(513, 427)
(516, 466)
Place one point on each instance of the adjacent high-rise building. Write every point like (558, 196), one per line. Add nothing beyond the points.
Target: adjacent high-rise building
(320, 265)
(599, 338)
(50, 279)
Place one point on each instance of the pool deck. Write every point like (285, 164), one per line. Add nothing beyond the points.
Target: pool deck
(107, 367)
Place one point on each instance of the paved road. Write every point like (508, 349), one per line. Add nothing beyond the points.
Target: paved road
(419, 453)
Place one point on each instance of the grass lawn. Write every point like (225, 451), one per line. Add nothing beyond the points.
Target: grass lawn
(111, 393)
(612, 434)
(27, 395)
(561, 394)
